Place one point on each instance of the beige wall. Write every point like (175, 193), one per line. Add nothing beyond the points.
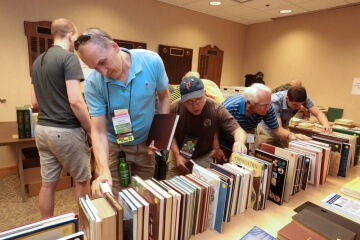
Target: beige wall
(147, 21)
(322, 50)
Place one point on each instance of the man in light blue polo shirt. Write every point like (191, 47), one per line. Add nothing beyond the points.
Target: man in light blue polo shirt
(249, 110)
(286, 104)
(124, 79)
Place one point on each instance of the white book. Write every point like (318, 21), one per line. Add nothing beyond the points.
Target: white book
(214, 182)
(168, 207)
(293, 162)
(46, 229)
(130, 217)
(342, 205)
(176, 210)
(45, 222)
(251, 175)
(98, 221)
(140, 213)
(244, 190)
(146, 212)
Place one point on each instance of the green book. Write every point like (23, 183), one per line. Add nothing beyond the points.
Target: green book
(20, 122)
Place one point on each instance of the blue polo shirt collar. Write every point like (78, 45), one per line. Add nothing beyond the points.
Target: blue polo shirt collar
(242, 106)
(135, 69)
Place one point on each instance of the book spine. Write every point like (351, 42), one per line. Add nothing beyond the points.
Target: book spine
(20, 122)
(27, 125)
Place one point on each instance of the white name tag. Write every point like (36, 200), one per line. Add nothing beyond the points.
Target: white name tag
(250, 138)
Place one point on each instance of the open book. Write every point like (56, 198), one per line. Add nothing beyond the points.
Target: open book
(162, 130)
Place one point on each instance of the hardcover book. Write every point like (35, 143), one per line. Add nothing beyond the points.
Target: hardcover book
(322, 226)
(182, 208)
(130, 217)
(168, 207)
(278, 175)
(236, 183)
(162, 130)
(343, 206)
(119, 214)
(108, 218)
(352, 188)
(145, 221)
(245, 188)
(332, 216)
(157, 207)
(257, 233)
(140, 213)
(295, 231)
(243, 159)
(214, 182)
(50, 228)
(188, 146)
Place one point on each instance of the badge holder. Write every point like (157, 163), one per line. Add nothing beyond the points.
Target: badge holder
(122, 126)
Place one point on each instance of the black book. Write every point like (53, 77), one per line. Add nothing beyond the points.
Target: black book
(278, 175)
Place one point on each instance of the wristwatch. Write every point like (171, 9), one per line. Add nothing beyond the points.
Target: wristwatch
(290, 134)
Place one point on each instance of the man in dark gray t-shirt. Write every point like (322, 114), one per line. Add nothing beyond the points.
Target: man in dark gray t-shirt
(63, 119)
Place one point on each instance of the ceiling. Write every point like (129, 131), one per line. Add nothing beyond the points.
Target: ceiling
(255, 11)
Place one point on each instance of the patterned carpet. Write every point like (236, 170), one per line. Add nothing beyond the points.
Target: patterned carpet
(14, 212)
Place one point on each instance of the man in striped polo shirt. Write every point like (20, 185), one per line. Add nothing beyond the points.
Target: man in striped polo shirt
(249, 110)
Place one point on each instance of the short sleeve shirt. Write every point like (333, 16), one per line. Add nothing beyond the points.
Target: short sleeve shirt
(203, 126)
(236, 105)
(50, 72)
(104, 95)
(282, 111)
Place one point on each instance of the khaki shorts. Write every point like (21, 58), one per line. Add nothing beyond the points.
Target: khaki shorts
(63, 147)
(141, 163)
(263, 137)
(172, 169)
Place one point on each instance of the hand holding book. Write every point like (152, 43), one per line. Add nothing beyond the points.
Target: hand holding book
(182, 164)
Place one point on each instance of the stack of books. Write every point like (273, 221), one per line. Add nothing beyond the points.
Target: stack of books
(57, 227)
(25, 122)
(352, 188)
(315, 222)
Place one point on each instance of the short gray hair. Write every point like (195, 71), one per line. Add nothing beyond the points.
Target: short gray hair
(98, 37)
(251, 93)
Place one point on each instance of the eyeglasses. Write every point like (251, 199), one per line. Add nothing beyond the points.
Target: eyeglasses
(262, 106)
(82, 39)
(195, 101)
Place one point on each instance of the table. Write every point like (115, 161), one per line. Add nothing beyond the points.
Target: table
(7, 130)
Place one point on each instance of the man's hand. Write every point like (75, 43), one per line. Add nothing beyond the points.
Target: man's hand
(219, 156)
(153, 149)
(239, 147)
(180, 162)
(95, 186)
(299, 136)
(327, 129)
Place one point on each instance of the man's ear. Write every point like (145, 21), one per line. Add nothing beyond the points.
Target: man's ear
(115, 46)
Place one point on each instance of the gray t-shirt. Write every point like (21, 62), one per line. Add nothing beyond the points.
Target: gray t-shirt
(50, 72)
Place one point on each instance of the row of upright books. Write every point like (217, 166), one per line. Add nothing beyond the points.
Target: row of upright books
(25, 122)
(177, 208)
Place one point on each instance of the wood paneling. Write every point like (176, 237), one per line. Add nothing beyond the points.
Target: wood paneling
(210, 63)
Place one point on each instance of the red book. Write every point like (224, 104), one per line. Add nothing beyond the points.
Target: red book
(162, 130)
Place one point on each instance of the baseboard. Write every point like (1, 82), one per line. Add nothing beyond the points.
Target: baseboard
(7, 171)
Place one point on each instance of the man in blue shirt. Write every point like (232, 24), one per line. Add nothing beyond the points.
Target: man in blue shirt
(121, 79)
(286, 104)
(249, 110)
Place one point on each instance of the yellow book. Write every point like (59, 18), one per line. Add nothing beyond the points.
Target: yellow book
(352, 188)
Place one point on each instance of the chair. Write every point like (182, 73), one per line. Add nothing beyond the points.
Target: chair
(334, 113)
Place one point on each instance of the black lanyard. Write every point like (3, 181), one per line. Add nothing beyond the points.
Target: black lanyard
(108, 98)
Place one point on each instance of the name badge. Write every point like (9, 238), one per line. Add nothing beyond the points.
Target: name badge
(250, 138)
(122, 126)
